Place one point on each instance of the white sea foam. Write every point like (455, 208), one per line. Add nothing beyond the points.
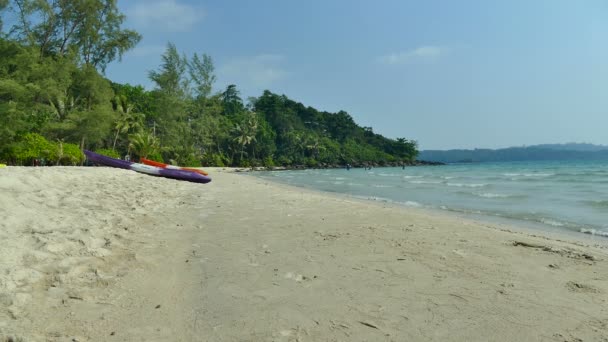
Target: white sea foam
(424, 182)
(539, 174)
(594, 232)
(474, 189)
(528, 174)
(490, 195)
(551, 222)
(471, 185)
(412, 204)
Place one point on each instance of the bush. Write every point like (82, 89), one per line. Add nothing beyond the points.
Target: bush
(156, 156)
(213, 159)
(71, 154)
(284, 161)
(310, 162)
(190, 161)
(268, 162)
(108, 152)
(33, 146)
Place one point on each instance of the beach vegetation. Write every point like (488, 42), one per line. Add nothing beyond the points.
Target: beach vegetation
(53, 91)
(34, 149)
(108, 152)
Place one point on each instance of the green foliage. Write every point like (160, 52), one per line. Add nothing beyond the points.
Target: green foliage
(268, 162)
(214, 159)
(90, 29)
(284, 160)
(69, 154)
(310, 162)
(144, 144)
(201, 73)
(108, 152)
(53, 100)
(32, 146)
(3, 4)
(155, 155)
(171, 78)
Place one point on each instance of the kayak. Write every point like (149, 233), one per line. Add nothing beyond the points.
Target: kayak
(147, 169)
(173, 167)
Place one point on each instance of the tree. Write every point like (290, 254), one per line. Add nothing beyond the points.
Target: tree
(231, 100)
(91, 28)
(171, 100)
(144, 144)
(3, 5)
(170, 79)
(201, 73)
(128, 120)
(245, 132)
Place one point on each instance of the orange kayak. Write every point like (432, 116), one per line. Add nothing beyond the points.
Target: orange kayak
(167, 166)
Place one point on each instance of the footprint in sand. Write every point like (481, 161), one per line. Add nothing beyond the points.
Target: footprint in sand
(578, 287)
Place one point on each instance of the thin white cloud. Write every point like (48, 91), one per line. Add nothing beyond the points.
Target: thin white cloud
(258, 71)
(169, 15)
(428, 52)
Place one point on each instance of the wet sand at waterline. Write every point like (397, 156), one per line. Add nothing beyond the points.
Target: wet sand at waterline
(100, 254)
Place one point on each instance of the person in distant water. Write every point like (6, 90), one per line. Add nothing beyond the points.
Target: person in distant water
(348, 166)
(403, 166)
(127, 157)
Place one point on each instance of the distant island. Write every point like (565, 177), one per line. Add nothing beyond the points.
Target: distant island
(569, 151)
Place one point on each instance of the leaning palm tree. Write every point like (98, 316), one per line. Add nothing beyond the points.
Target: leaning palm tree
(243, 137)
(245, 132)
(128, 121)
(143, 144)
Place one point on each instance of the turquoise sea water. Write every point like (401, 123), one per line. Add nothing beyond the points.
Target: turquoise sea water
(557, 195)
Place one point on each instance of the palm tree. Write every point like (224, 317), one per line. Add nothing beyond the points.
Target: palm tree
(62, 105)
(246, 131)
(128, 120)
(143, 144)
(313, 144)
(243, 137)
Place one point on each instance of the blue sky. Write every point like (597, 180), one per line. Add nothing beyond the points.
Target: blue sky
(449, 74)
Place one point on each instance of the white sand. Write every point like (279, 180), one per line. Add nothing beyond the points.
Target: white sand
(98, 254)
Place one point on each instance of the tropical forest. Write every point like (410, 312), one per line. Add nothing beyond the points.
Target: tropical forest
(55, 101)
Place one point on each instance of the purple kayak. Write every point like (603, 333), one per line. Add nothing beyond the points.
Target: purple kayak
(147, 169)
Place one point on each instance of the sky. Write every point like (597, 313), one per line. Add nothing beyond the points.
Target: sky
(448, 74)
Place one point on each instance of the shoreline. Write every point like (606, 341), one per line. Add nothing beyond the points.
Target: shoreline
(103, 254)
(492, 222)
(585, 235)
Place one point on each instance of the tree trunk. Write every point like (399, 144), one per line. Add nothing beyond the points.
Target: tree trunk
(115, 138)
(82, 149)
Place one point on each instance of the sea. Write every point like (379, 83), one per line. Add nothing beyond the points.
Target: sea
(566, 196)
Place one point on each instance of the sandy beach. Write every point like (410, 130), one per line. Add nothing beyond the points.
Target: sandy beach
(100, 254)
